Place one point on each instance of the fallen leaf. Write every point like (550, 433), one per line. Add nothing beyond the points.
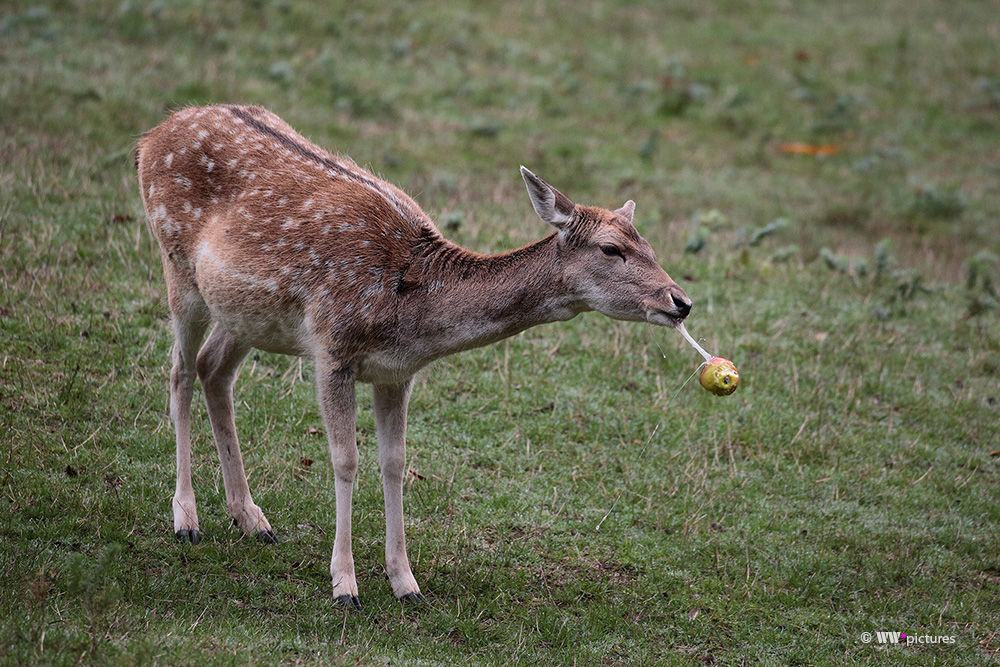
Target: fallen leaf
(796, 148)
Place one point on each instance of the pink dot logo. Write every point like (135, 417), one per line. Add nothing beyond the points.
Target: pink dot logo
(902, 637)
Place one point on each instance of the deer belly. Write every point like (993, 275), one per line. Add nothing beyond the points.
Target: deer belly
(387, 368)
(251, 307)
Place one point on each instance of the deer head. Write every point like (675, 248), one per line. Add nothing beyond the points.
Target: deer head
(605, 261)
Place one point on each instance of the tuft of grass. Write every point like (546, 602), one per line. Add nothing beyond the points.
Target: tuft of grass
(847, 487)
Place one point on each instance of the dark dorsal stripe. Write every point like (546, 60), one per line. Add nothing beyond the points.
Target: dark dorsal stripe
(246, 115)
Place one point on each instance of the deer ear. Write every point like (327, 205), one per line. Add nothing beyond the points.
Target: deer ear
(627, 210)
(551, 205)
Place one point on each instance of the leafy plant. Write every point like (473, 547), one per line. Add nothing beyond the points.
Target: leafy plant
(980, 283)
(941, 203)
(703, 224)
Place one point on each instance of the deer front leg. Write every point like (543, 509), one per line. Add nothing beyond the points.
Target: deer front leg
(390, 421)
(335, 385)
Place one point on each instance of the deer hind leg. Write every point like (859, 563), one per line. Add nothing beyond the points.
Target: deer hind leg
(335, 386)
(390, 421)
(218, 362)
(190, 319)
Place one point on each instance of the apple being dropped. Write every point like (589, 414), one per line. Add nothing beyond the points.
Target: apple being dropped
(718, 375)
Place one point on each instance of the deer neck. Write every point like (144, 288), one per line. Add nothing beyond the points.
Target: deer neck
(473, 299)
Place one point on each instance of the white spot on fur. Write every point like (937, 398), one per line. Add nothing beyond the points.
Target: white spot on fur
(205, 252)
(370, 291)
(168, 160)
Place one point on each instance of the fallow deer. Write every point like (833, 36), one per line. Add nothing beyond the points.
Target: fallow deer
(290, 249)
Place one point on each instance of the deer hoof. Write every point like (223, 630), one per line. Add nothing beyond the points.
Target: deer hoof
(188, 536)
(414, 598)
(267, 537)
(349, 602)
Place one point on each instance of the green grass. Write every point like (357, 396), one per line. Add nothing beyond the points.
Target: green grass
(847, 487)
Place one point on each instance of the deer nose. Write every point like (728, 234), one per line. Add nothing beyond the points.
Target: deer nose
(682, 304)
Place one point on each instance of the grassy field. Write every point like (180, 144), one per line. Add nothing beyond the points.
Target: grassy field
(848, 487)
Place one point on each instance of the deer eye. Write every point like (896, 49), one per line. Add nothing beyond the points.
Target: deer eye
(613, 251)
